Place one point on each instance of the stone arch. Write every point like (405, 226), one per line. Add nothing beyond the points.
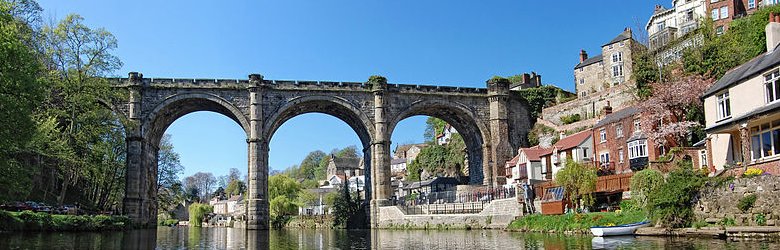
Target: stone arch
(176, 106)
(464, 119)
(331, 105)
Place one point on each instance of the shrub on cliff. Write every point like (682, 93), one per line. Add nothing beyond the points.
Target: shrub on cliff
(670, 205)
(644, 183)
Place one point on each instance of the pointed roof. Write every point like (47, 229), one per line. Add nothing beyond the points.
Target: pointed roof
(589, 61)
(513, 161)
(534, 153)
(401, 148)
(625, 35)
(617, 116)
(569, 142)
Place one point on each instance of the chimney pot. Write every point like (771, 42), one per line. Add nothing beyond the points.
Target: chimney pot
(772, 32)
(583, 55)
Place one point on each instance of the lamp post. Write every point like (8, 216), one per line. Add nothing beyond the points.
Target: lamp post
(419, 184)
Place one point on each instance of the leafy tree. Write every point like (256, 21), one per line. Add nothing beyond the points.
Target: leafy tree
(283, 194)
(345, 206)
(433, 127)
(203, 182)
(542, 97)
(643, 183)
(198, 212)
(348, 152)
(168, 168)
(671, 204)
(665, 114)
(235, 187)
(578, 181)
(440, 160)
(309, 167)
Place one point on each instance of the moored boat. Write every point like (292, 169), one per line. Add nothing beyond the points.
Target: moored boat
(625, 229)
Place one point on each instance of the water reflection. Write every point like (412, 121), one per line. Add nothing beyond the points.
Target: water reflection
(228, 238)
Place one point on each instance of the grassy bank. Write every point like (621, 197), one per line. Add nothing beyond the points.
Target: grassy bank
(32, 221)
(575, 223)
(310, 222)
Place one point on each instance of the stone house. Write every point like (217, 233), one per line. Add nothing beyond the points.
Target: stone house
(527, 81)
(398, 167)
(666, 25)
(742, 111)
(526, 166)
(226, 207)
(610, 68)
(344, 166)
(578, 147)
(409, 151)
(619, 143)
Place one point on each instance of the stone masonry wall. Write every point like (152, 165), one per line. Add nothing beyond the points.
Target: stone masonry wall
(718, 203)
(496, 215)
(619, 97)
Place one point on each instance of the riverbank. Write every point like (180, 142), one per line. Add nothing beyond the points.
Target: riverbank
(32, 221)
(310, 222)
(714, 232)
(573, 223)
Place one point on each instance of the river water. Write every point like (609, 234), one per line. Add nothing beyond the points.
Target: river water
(229, 238)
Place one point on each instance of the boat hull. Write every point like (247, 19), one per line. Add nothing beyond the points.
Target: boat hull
(627, 229)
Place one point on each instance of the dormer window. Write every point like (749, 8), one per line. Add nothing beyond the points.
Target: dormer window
(772, 86)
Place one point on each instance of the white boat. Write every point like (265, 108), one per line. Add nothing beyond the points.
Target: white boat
(625, 229)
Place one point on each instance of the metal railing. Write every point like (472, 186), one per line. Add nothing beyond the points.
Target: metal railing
(450, 202)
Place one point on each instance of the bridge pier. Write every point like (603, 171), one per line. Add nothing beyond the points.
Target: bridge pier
(380, 178)
(258, 215)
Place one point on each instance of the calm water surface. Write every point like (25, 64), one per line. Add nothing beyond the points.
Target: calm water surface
(228, 238)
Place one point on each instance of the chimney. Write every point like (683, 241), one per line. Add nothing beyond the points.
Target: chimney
(526, 78)
(658, 7)
(583, 56)
(773, 32)
(607, 109)
(561, 135)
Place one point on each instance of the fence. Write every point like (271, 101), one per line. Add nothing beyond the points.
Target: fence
(450, 202)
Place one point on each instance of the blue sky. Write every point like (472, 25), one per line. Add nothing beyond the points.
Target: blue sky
(454, 43)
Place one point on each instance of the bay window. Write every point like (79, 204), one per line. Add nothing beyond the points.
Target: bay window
(637, 149)
(765, 140)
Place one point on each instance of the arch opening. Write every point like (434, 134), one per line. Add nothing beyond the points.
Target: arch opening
(464, 121)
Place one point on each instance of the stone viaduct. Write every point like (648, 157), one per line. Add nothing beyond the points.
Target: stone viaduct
(492, 122)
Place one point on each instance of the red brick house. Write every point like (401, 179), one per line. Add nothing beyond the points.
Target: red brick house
(619, 144)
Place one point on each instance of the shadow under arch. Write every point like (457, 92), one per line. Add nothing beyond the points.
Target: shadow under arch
(463, 119)
(174, 107)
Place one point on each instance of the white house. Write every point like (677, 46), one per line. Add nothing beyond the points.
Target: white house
(526, 166)
(398, 166)
(665, 25)
(445, 135)
(578, 147)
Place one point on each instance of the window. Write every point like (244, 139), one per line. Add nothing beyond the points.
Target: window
(611, 46)
(637, 149)
(703, 158)
(603, 135)
(620, 155)
(622, 44)
(604, 158)
(751, 4)
(715, 15)
(719, 30)
(637, 125)
(582, 80)
(617, 57)
(601, 63)
(724, 12)
(617, 70)
(659, 26)
(772, 86)
(619, 131)
(724, 106)
(765, 140)
(581, 68)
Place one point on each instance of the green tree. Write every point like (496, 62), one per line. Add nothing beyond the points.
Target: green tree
(21, 90)
(309, 167)
(578, 181)
(345, 206)
(440, 160)
(283, 194)
(671, 203)
(235, 187)
(168, 170)
(643, 183)
(198, 212)
(542, 97)
(433, 127)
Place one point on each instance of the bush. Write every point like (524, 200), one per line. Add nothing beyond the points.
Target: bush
(629, 205)
(671, 203)
(642, 184)
(747, 202)
(32, 221)
(761, 219)
(569, 119)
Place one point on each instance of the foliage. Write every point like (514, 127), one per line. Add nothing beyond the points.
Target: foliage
(569, 119)
(235, 187)
(32, 221)
(440, 160)
(283, 193)
(574, 222)
(433, 127)
(169, 187)
(630, 205)
(198, 212)
(747, 202)
(699, 224)
(345, 206)
(645, 71)
(665, 114)
(644, 183)
(727, 222)
(542, 97)
(753, 172)
(538, 132)
(577, 180)
(744, 40)
(167, 222)
(760, 219)
(671, 203)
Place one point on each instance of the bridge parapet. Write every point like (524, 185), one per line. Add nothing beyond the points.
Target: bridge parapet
(294, 85)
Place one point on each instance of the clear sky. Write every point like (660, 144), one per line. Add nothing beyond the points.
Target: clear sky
(434, 42)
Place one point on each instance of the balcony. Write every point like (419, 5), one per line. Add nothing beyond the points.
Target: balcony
(614, 183)
(662, 38)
